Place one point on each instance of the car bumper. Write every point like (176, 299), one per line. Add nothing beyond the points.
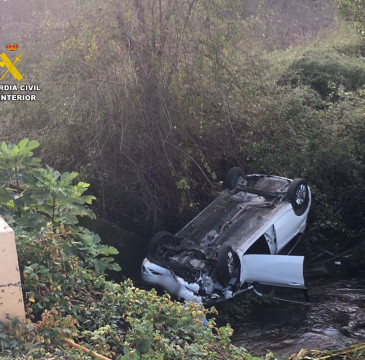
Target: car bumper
(157, 275)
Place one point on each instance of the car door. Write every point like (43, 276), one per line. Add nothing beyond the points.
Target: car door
(276, 270)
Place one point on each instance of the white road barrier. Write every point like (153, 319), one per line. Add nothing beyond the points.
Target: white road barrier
(11, 297)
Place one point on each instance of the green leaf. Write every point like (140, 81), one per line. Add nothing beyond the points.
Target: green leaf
(23, 143)
(4, 148)
(33, 145)
(108, 250)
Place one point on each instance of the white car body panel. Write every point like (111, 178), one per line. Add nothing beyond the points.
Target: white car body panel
(276, 270)
(288, 225)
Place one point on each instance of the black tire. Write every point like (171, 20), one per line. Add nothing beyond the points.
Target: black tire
(228, 265)
(157, 240)
(298, 195)
(234, 176)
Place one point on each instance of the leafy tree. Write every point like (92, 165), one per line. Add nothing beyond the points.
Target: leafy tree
(38, 200)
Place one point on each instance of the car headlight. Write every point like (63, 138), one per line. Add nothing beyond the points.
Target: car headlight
(208, 285)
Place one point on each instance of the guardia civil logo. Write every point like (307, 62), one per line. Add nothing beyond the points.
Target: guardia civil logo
(9, 65)
(9, 62)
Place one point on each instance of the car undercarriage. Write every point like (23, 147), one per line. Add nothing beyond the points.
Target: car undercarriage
(234, 242)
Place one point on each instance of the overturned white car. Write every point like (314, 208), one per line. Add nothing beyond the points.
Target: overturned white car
(238, 240)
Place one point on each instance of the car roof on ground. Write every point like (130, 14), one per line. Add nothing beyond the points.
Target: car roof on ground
(223, 208)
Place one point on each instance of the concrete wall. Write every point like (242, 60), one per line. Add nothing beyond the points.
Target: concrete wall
(11, 297)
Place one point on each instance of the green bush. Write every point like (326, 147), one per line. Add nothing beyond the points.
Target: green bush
(327, 71)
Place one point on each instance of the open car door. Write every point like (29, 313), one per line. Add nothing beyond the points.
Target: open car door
(276, 270)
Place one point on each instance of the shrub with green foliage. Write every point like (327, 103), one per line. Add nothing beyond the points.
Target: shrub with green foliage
(66, 292)
(328, 72)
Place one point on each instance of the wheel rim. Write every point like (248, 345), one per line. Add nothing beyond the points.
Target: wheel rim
(300, 195)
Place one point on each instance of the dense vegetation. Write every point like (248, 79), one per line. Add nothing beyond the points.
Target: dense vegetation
(152, 102)
(63, 271)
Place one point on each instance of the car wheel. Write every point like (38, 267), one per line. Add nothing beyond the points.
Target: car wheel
(162, 237)
(235, 176)
(227, 265)
(298, 195)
